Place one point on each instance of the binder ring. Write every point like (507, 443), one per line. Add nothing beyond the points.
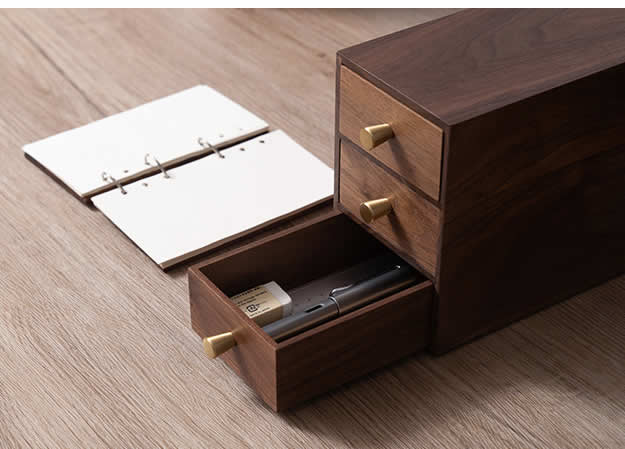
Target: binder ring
(108, 178)
(205, 144)
(158, 164)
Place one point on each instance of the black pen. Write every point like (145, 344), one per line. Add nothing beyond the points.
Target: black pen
(344, 300)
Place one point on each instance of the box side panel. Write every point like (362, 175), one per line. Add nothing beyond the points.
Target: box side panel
(533, 206)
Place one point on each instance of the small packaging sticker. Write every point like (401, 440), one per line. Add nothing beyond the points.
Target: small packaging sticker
(265, 303)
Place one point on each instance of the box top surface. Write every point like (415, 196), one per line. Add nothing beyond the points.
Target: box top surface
(475, 61)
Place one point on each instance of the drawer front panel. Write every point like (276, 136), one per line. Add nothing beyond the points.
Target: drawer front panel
(213, 313)
(412, 227)
(415, 150)
(355, 344)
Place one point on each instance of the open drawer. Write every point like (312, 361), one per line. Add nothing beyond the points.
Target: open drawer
(323, 357)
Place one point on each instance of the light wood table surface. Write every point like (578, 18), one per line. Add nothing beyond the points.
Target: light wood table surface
(96, 348)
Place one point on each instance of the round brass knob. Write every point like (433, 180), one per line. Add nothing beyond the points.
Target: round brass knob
(218, 344)
(372, 136)
(374, 209)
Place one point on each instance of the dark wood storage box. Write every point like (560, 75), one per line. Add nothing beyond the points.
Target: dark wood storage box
(502, 183)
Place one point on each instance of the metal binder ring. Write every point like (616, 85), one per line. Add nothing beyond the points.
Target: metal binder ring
(108, 178)
(209, 146)
(158, 164)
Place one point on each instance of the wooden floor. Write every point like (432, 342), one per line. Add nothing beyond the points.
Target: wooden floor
(96, 348)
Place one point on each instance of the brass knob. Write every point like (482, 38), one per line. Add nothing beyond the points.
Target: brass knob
(218, 344)
(372, 136)
(374, 209)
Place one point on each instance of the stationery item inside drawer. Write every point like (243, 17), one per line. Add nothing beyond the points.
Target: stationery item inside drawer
(339, 293)
(265, 303)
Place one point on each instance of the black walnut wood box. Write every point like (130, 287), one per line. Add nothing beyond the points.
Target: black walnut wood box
(487, 149)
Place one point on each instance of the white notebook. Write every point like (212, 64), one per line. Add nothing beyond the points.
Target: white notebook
(167, 129)
(213, 200)
(214, 194)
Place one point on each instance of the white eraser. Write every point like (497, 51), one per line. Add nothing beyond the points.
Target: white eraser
(281, 296)
(265, 303)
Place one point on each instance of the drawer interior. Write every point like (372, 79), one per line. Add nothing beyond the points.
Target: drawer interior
(305, 264)
(325, 247)
(327, 355)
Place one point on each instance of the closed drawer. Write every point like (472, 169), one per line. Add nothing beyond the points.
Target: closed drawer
(413, 225)
(324, 357)
(415, 150)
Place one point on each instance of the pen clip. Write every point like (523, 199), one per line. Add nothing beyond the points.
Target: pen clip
(340, 289)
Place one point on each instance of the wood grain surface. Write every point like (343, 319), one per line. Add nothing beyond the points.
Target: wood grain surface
(483, 66)
(555, 186)
(96, 346)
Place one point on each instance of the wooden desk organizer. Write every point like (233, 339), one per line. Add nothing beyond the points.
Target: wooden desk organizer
(487, 149)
